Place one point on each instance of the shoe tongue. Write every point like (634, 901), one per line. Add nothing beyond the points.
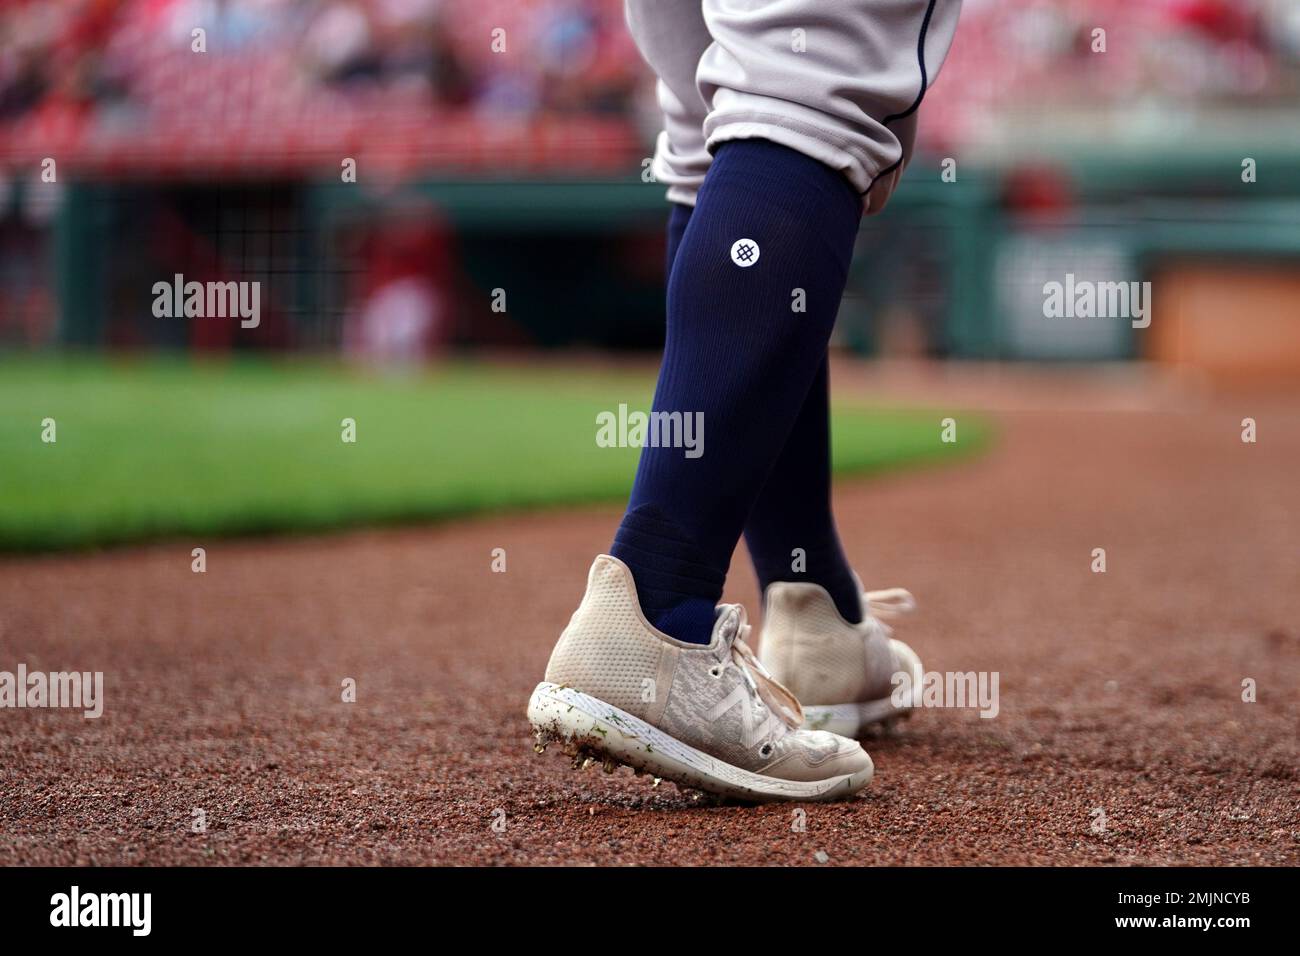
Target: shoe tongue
(730, 619)
(730, 630)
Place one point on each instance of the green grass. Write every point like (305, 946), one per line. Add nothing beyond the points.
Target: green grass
(164, 447)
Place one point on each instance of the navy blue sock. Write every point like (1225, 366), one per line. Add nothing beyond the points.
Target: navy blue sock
(752, 299)
(677, 220)
(794, 510)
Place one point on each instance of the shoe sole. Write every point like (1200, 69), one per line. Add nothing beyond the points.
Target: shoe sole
(562, 713)
(853, 720)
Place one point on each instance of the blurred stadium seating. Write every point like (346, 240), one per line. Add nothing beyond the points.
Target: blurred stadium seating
(114, 84)
(116, 87)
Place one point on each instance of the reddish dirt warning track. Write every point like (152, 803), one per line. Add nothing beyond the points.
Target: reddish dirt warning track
(1120, 692)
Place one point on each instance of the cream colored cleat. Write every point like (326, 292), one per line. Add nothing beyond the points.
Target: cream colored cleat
(845, 674)
(707, 717)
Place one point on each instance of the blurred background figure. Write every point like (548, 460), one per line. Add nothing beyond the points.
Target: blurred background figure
(402, 309)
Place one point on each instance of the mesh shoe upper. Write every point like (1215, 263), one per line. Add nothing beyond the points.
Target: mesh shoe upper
(821, 657)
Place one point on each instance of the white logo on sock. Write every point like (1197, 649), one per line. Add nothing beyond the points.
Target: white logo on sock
(744, 252)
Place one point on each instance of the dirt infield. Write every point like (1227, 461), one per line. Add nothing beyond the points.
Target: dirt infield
(1120, 692)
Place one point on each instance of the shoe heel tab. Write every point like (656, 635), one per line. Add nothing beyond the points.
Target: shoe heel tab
(796, 596)
(608, 572)
(609, 582)
(612, 579)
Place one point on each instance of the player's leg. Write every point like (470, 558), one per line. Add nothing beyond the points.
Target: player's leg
(791, 531)
(700, 710)
(673, 39)
(821, 634)
(679, 217)
(846, 91)
(794, 510)
(810, 105)
(649, 670)
(770, 224)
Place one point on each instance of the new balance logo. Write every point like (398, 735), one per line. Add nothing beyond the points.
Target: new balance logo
(751, 731)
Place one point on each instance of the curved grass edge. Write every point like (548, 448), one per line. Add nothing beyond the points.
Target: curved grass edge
(137, 406)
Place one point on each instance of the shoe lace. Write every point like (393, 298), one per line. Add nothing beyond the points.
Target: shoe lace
(774, 696)
(888, 603)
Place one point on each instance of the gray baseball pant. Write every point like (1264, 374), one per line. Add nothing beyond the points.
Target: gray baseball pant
(837, 80)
